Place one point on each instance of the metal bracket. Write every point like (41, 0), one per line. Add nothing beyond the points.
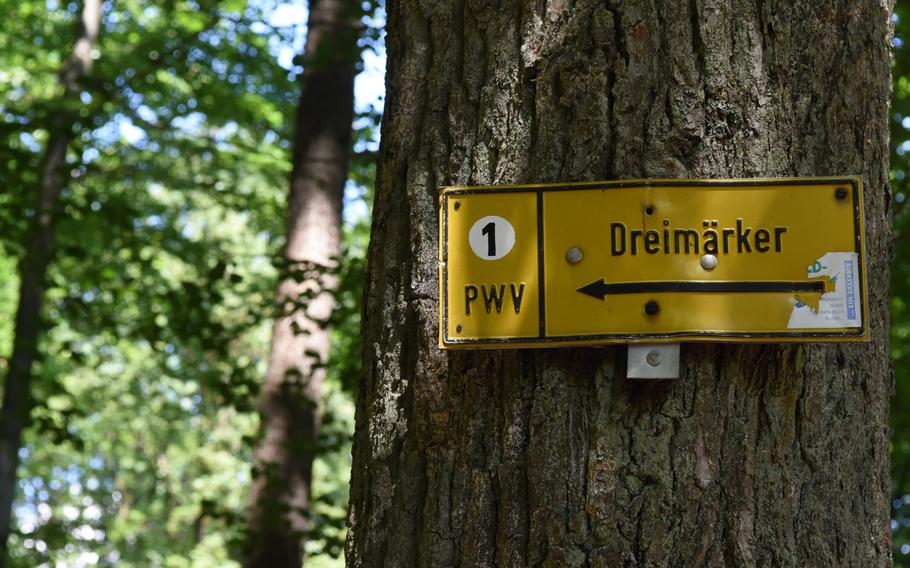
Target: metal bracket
(654, 361)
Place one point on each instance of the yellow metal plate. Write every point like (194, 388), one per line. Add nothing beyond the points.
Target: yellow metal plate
(762, 260)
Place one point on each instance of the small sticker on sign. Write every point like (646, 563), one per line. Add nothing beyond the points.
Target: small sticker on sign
(491, 237)
(839, 307)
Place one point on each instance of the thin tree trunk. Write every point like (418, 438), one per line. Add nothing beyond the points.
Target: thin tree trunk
(17, 402)
(292, 391)
(759, 455)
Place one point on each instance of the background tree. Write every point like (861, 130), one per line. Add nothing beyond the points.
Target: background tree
(292, 391)
(159, 300)
(17, 400)
(758, 454)
(148, 290)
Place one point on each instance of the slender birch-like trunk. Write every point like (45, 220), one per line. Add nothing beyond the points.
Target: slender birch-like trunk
(17, 402)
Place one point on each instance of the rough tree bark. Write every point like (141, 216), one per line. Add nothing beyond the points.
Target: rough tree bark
(292, 391)
(17, 402)
(759, 455)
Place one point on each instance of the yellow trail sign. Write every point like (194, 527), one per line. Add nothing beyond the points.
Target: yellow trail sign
(762, 260)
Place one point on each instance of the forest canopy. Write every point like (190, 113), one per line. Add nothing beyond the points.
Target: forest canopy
(159, 296)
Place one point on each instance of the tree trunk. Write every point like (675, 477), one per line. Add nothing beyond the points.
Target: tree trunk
(759, 455)
(17, 402)
(291, 394)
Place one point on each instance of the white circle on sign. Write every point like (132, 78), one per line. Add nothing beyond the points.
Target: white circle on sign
(491, 237)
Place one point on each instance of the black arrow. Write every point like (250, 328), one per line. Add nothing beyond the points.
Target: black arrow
(600, 288)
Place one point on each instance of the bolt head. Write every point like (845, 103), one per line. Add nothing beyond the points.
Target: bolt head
(574, 255)
(652, 307)
(708, 262)
(653, 358)
(840, 193)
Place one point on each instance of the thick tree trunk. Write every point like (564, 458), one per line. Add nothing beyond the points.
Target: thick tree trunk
(291, 394)
(17, 401)
(759, 455)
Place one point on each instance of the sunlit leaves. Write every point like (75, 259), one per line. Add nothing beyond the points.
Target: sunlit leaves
(161, 290)
(158, 297)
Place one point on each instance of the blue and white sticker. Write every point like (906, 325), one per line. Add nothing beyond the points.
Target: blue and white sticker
(837, 309)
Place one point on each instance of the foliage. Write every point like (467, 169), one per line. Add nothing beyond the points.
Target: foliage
(160, 293)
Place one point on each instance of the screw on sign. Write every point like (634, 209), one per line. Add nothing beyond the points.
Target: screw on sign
(653, 358)
(574, 255)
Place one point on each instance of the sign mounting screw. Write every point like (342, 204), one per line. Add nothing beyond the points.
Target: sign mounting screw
(574, 255)
(653, 361)
(457, 205)
(652, 307)
(708, 262)
(653, 358)
(458, 328)
(840, 193)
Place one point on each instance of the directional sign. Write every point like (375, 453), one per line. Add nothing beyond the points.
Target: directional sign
(762, 260)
